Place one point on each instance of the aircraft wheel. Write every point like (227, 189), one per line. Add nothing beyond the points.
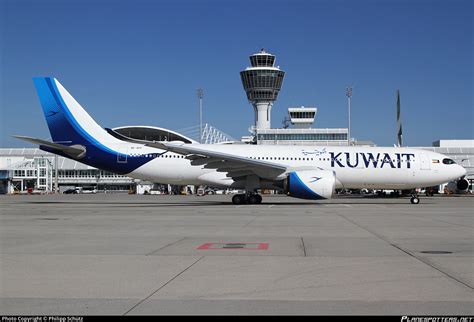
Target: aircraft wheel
(238, 199)
(255, 199)
(415, 200)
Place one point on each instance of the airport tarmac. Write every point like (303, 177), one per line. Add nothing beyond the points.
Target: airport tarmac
(119, 254)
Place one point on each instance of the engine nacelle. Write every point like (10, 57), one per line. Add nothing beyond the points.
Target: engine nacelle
(310, 184)
(458, 186)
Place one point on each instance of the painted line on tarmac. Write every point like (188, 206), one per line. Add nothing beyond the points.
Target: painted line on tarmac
(164, 285)
(411, 254)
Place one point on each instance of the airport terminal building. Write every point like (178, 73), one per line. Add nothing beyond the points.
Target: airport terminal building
(28, 169)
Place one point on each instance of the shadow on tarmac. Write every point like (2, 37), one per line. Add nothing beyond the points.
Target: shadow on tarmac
(405, 201)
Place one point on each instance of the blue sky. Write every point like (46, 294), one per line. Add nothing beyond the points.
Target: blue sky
(140, 62)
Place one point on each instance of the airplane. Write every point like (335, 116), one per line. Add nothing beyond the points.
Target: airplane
(307, 172)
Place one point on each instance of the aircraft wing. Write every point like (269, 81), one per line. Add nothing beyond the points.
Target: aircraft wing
(235, 166)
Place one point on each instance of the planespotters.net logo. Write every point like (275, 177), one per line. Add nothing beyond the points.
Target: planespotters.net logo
(437, 319)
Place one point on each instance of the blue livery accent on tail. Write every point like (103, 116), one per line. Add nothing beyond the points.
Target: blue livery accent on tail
(58, 124)
(66, 130)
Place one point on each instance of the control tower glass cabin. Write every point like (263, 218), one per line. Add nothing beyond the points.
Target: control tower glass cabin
(302, 117)
(262, 81)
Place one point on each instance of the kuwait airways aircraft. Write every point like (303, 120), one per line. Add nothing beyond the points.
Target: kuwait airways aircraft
(309, 172)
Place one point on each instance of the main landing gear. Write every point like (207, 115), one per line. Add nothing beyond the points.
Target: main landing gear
(252, 199)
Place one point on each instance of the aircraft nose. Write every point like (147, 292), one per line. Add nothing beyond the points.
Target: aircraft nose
(462, 171)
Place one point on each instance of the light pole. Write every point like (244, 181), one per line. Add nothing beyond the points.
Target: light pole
(56, 180)
(349, 95)
(200, 94)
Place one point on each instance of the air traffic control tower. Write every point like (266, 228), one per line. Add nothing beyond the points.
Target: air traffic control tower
(262, 81)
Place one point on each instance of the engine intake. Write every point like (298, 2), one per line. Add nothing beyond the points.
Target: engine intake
(462, 185)
(310, 184)
(458, 186)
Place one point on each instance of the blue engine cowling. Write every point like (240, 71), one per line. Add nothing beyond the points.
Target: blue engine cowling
(310, 184)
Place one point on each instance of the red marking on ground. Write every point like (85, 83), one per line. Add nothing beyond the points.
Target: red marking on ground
(218, 246)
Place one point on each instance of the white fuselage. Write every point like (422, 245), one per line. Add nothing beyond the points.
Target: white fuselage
(355, 167)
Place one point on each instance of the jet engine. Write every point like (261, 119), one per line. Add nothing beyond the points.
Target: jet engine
(310, 184)
(458, 186)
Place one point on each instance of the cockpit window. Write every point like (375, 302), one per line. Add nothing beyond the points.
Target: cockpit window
(448, 161)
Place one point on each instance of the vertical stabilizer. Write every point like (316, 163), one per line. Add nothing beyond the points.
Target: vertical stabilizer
(67, 120)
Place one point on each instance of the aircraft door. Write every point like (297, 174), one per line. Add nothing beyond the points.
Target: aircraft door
(424, 162)
(122, 157)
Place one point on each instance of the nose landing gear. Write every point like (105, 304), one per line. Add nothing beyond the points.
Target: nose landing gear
(415, 200)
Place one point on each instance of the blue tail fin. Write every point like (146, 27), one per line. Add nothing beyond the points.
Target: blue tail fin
(70, 125)
(68, 122)
(54, 111)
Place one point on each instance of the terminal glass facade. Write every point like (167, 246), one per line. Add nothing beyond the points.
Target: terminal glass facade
(302, 115)
(302, 137)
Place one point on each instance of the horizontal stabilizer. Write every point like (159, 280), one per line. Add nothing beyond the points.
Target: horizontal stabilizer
(76, 151)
